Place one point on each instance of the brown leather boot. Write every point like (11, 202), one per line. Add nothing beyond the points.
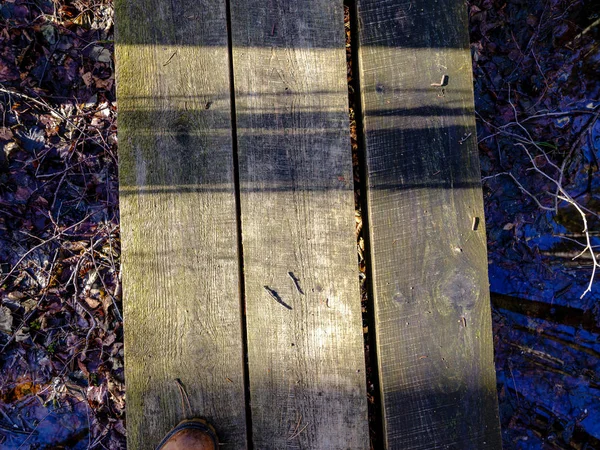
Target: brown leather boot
(195, 434)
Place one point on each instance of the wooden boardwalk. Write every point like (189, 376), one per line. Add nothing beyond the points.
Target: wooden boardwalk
(240, 277)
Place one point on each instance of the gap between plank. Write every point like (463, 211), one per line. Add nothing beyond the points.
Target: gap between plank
(240, 244)
(360, 183)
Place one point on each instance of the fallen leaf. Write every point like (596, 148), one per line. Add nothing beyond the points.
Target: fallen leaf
(6, 320)
(87, 78)
(49, 33)
(92, 302)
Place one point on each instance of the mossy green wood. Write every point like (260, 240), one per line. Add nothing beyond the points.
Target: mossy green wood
(178, 219)
(427, 235)
(305, 341)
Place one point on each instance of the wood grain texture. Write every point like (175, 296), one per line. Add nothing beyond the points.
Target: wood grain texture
(429, 267)
(305, 350)
(178, 219)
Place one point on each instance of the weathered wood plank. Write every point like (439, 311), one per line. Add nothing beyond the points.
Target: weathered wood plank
(305, 348)
(178, 219)
(429, 266)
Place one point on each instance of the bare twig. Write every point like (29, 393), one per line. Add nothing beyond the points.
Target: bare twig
(567, 158)
(41, 244)
(525, 191)
(43, 104)
(553, 173)
(83, 305)
(114, 301)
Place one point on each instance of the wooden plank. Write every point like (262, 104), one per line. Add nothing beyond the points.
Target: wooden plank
(429, 264)
(305, 345)
(178, 219)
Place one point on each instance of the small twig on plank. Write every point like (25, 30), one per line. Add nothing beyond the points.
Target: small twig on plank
(295, 435)
(296, 282)
(275, 296)
(185, 399)
(465, 137)
(170, 58)
(297, 429)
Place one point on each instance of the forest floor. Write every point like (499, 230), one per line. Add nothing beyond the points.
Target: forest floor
(536, 69)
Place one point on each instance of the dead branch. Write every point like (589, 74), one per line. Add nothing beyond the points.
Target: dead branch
(556, 177)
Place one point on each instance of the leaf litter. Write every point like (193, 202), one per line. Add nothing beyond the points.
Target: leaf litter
(61, 346)
(537, 100)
